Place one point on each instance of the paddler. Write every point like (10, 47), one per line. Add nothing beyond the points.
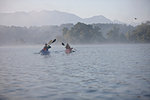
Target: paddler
(68, 48)
(46, 47)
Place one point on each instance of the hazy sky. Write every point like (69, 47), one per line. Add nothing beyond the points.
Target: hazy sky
(123, 10)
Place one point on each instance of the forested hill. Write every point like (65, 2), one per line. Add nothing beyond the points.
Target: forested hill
(107, 33)
(14, 35)
(79, 33)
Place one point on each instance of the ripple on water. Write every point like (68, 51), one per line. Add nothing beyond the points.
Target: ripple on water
(102, 72)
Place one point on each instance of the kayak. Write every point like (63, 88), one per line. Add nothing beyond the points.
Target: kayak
(44, 52)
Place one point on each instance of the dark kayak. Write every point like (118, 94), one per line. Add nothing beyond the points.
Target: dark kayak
(43, 52)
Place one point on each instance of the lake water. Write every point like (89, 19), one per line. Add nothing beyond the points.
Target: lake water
(93, 72)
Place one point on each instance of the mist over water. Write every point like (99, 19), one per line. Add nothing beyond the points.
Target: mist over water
(97, 70)
(93, 72)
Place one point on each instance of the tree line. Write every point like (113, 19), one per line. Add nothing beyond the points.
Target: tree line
(141, 33)
(107, 33)
(79, 33)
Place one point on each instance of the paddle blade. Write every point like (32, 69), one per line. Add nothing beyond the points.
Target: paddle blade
(54, 40)
(50, 42)
(63, 44)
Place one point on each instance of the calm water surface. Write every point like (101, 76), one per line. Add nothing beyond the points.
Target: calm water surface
(96, 72)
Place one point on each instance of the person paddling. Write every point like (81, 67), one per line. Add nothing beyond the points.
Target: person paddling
(68, 48)
(46, 47)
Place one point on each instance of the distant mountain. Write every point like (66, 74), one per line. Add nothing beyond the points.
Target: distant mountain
(46, 18)
(37, 18)
(97, 19)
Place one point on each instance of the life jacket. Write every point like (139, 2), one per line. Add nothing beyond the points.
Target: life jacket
(45, 49)
(68, 51)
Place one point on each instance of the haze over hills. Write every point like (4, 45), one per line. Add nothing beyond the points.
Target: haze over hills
(97, 19)
(47, 18)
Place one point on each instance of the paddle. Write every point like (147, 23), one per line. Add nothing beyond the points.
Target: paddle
(51, 41)
(63, 44)
(54, 40)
